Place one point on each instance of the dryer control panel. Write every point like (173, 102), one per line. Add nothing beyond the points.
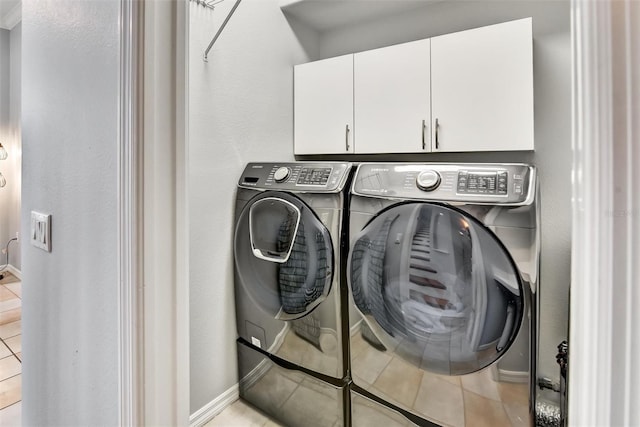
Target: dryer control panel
(296, 176)
(477, 183)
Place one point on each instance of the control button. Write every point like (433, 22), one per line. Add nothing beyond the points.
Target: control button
(517, 188)
(428, 180)
(462, 181)
(281, 174)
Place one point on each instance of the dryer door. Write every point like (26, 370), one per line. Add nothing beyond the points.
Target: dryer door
(283, 255)
(436, 287)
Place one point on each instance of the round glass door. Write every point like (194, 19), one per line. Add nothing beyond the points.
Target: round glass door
(436, 287)
(283, 255)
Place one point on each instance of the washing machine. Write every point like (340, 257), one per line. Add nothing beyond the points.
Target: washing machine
(442, 274)
(288, 269)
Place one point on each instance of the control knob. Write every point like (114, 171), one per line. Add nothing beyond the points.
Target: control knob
(428, 180)
(281, 174)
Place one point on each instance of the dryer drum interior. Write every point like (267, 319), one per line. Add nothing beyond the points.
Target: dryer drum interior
(284, 255)
(437, 287)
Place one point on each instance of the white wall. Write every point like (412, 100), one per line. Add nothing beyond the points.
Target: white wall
(240, 110)
(5, 80)
(70, 135)
(12, 166)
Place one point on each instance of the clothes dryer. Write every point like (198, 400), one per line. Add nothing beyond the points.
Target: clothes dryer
(287, 248)
(442, 272)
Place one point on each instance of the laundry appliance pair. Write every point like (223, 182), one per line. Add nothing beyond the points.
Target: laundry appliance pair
(388, 294)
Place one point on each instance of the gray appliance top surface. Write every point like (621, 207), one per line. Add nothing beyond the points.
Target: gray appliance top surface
(305, 177)
(510, 184)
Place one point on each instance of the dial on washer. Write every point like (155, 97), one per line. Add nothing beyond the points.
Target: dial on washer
(281, 174)
(428, 180)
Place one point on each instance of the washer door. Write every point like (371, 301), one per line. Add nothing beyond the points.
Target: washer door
(283, 255)
(435, 286)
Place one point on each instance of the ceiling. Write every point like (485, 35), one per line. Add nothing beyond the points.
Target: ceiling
(324, 15)
(10, 13)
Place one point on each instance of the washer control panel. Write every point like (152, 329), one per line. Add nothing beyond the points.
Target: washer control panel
(476, 183)
(296, 176)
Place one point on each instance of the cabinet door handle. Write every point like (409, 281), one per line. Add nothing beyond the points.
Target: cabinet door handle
(346, 134)
(437, 141)
(424, 130)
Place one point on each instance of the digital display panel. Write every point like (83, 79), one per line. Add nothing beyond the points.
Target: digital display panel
(314, 176)
(482, 182)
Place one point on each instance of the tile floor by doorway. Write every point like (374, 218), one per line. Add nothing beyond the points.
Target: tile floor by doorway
(241, 414)
(10, 350)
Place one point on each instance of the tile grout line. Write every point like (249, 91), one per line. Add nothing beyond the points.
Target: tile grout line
(13, 353)
(20, 298)
(9, 406)
(18, 401)
(10, 349)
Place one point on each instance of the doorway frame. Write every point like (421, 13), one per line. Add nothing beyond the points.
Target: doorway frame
(130, 205)
(153, 382)
(604, 338)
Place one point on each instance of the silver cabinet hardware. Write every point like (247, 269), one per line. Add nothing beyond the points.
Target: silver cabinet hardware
(346, 141)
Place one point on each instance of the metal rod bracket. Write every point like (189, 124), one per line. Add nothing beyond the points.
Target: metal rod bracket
(224, 24)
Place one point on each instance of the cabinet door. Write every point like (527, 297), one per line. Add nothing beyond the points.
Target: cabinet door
(482, 89)
(392, 99)
(323, 106)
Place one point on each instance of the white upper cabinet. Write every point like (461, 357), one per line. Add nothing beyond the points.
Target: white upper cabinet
(392, 99)
(323, 99)
(482, 89)
(466, 91)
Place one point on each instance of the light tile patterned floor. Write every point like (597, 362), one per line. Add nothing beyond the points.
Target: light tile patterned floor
(460, 401)
(241, 414)
(10, 350)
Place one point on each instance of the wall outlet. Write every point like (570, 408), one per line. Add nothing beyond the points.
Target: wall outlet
(18, 236)
(41, 231)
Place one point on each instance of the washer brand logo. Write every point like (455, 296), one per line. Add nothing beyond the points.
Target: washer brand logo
(257, 167)
(379, 170)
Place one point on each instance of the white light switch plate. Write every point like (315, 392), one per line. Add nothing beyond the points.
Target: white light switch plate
(40, 235)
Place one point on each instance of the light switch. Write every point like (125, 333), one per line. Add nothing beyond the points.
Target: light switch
(40, 235)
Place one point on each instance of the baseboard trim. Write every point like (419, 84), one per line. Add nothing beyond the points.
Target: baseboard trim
(11, 269)
(213, 408)
(512, 376)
